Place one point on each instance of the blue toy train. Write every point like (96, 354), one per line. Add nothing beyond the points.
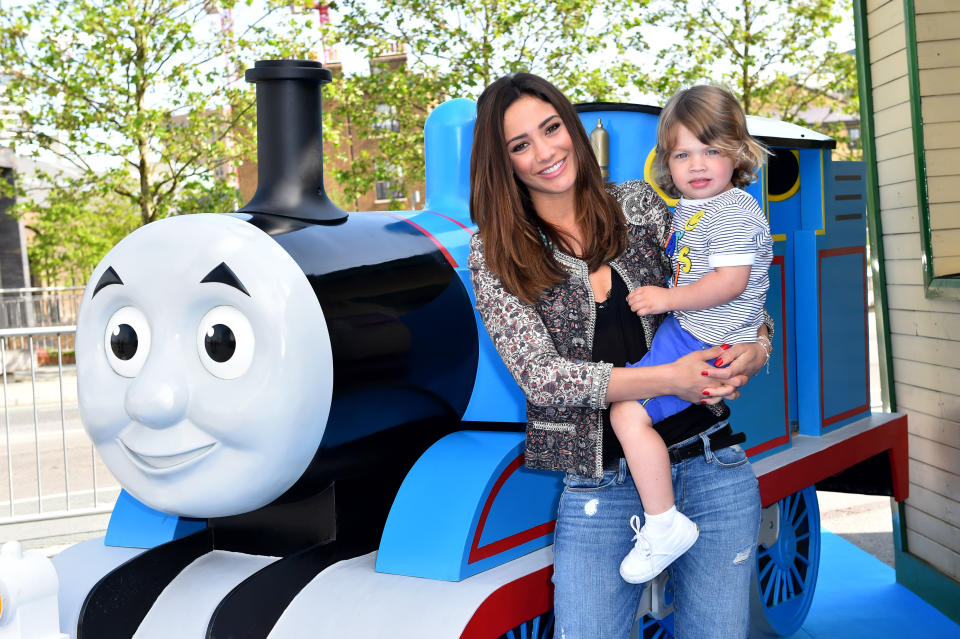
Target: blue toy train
(315, 436)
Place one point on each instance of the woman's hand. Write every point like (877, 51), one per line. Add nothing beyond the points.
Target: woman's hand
(695, 380)
(692, 377)
(739, 363)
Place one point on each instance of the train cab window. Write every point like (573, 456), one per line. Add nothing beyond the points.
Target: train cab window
(783, 174)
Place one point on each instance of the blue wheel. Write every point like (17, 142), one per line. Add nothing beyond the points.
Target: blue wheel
(537, 628)
(651, 628)
(786, 570)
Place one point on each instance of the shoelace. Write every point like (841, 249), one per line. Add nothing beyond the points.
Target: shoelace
(643, 546)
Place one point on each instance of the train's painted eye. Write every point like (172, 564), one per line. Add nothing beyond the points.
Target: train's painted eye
(225, 342)
(127, 341)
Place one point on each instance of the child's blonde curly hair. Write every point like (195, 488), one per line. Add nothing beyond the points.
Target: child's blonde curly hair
(715, 118)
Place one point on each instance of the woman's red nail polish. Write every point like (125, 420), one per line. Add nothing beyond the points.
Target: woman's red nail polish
(704, 373)
(725, 346)
(719, 362)
(703, 401)
(706, 392)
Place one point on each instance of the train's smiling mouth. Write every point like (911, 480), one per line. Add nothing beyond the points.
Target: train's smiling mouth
(165, 462)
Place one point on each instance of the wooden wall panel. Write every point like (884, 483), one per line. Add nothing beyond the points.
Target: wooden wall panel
(900, 220)
(944, 162)
(942, 25)
(941, 135)
(896, 118)
(934, 351)
(927, 324)
(937, 54)
(884, 43)
(895, 145)
(882, 19)
(899, 195)
(924, 331)
(945, 560)
(903, 272)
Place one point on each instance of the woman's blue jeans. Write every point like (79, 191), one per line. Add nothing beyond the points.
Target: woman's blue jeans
(718, 490)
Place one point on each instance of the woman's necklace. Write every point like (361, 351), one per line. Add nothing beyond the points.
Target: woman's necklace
(606, 298)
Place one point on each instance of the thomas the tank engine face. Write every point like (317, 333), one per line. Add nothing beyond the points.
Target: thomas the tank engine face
(204, 366)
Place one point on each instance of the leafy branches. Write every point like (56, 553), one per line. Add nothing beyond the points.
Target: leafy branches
(779, 56)
(140, 103)
(455, 51)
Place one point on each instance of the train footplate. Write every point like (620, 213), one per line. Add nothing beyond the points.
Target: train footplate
(811, 460)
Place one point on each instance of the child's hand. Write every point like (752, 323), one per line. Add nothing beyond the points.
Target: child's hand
(649, 300)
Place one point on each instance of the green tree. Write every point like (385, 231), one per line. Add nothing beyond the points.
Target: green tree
(455, 51)
(139, 101)
(780, 57)
(69, 237)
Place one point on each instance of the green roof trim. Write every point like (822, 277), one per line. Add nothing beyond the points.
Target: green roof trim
(874, 224)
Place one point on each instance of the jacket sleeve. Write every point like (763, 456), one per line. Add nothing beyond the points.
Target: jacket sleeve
(527, 349)
(642, 206)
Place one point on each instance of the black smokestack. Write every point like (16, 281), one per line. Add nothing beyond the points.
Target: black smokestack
(290, 141)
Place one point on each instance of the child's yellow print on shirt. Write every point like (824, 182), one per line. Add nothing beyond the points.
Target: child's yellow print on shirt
(683, 261)
(693, 221)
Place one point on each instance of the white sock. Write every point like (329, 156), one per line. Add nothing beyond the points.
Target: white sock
(659, 525)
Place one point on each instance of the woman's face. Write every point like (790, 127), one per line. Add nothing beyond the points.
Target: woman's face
(540, 148)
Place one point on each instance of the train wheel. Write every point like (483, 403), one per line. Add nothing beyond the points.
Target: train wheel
(537, 628)
(657, 604)
(786, 569)
(651, 628)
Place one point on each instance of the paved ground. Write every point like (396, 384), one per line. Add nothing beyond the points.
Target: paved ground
(864, 520)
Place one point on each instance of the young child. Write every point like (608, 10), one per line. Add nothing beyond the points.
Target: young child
(720, 250)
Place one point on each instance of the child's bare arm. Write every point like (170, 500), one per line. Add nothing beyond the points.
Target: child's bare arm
(720, 286)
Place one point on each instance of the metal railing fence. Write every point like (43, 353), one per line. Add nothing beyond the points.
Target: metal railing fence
(45, 445)
(48, 306)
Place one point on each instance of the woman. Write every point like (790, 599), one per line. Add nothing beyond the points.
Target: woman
(552, 263)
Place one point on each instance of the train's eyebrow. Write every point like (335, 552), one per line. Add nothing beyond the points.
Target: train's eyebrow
(109, 277)
(223, 275)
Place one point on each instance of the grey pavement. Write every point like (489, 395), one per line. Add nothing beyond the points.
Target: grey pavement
(864, 520)
(21, 388)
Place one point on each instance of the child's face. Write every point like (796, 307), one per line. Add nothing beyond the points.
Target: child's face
(698, 170)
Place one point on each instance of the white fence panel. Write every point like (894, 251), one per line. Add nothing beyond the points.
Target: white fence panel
(52, 469)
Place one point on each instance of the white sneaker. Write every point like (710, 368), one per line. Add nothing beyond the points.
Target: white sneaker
(650, 556)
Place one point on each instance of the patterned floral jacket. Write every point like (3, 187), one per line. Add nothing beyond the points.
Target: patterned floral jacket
(547, 347)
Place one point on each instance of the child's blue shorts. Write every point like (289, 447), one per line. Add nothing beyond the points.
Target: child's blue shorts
(670, 343)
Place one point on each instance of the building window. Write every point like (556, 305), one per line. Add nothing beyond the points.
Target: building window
(391, 189)
(853, 134)
(387, 119)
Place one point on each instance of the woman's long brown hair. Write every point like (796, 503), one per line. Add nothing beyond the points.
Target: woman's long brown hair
(500, 205)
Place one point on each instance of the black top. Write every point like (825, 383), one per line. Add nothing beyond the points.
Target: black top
(619, 338)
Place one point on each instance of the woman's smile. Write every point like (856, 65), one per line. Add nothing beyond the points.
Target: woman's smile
(553, 170)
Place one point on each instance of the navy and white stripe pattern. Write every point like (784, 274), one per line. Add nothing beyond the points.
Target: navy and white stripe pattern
(728, 229)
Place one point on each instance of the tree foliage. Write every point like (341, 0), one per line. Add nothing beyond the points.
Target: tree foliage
(140, 102)
(143, 106)
(780, 57)
(70, 235)
(455, 50)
